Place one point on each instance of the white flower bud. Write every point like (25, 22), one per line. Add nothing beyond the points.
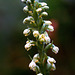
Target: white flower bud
(47, 22)
(28, 46)
(45, 7)
(36, 56)
(39, 10)
(31, 42)
(35, 33)
(50, 28)
(23, 0)
(53, 67)
(25, 9)
(28, 1)
(44, 13)
(42, 38)
(26, 32)
(46, 34)
(50, 60)
(47, 39)
(55, 49)
(40, 74)
(42, 3)
(29, 18)
(32, 65)
(27, 41)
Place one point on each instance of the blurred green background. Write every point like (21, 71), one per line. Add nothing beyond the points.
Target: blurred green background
(14, 58)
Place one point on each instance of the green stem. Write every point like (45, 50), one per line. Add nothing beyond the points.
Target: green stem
(42, 66)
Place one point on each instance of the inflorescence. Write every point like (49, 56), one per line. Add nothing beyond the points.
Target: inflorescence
(41, 63)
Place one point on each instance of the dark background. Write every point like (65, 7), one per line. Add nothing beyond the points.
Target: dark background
(14, 58)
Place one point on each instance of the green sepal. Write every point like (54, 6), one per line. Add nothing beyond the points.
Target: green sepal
(48, 47)
(49, 66)
(37, 70)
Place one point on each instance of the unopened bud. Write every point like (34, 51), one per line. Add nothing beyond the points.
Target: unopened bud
(44, 13)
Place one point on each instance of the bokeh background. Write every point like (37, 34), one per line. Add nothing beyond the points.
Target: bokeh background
(14, 58)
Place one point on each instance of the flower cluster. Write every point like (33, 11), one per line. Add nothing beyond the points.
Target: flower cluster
(26, 32)
(41, 63)
(55, 49)
(33, 63)
(44, 38)
(29, 44)
(33, 66)
(50, 63)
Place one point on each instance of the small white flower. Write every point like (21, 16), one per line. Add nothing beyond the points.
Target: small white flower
(46, 34)
(32, 65)
(55, 49)
(44, 13)
(29, 1)
(26, 32)
(50, 60)
(39, 10)
(47, 39)
(42, 3)
(45, 7)
(31, 42)
(27, 41)
(35, 33)
(40, 74)
(42, 38)
(36, 56)
(23, 0)
(28, 46)
(47, 22)
(53, 67)
(25, 9)
(29, 18)
(50, 28)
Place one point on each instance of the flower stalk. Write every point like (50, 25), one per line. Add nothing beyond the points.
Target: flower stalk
(41, 63)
